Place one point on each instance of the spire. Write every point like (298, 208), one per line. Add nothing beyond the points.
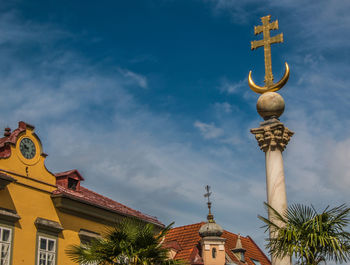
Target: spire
(239, 242)
(210, 228)
(239, 251)
(210, 217)
(212, 244)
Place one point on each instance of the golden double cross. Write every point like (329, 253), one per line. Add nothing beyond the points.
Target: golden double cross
(267, 40)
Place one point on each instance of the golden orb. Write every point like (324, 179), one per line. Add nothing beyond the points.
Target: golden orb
(270, 105)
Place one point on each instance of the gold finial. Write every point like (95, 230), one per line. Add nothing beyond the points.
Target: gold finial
(266, 42)
(210, 217)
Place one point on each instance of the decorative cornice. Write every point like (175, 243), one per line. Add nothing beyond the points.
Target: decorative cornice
(87, 236)
(48, 225)
(213, 240)
(272, 136)
(9, 215)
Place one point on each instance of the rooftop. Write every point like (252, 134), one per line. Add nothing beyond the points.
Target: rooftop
(81, 194)
(187, 237)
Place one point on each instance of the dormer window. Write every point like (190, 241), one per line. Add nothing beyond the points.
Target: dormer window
(239, 251)
(240, 254)
(69, 179)
(72, 184)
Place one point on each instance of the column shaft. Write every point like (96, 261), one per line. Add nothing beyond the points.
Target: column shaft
(276, 191)
(273, 137)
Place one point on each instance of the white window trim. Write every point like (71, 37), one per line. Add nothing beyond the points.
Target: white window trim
(9, 243)
(54, 252)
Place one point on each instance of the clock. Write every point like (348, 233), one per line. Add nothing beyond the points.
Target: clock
(27, 148)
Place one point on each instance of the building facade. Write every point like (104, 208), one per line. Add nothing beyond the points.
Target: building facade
(42, 213)
(208, 244)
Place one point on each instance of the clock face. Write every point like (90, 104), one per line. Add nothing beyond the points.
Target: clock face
(27, 148)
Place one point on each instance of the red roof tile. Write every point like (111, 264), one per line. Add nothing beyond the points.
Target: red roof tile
(188, 238)
(70, 172)
(170, 244)
(99, 200)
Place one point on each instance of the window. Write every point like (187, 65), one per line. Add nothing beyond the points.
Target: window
(256, 262)
(46, 251)
(213, 253)
(86, 244)
(72, 184)
(86, 237)
(5, 245)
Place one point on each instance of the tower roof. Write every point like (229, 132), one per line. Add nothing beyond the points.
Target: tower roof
(210, 229)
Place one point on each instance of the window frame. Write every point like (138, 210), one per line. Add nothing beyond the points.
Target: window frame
(37, 248)
(10, 228)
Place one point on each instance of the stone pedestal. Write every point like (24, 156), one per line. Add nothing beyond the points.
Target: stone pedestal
(273, 137)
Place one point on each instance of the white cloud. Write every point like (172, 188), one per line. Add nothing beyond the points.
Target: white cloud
(208, 131)
(88, 119)
(321, 26)
(317, 96)
(19, 34)
(237, 9)
(223, 107)
(232, 87)
(139, 79)
(338, 164)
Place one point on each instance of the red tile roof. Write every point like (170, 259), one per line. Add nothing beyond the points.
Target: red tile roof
(188, 238)
(70, 172)
(91, 197)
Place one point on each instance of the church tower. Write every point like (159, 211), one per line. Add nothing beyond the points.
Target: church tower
(212, 244)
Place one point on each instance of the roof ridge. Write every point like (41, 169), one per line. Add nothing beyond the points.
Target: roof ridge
(188, 225)
(111, 204)
(65, 173)
(154, 218)
(84, 188)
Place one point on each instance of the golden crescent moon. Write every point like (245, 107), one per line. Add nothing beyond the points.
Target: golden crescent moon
(274, 87)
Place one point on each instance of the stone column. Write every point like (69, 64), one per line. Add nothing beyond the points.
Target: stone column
(273, 137)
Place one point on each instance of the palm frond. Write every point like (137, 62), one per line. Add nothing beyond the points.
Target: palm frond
(130, 241)
(308, 235)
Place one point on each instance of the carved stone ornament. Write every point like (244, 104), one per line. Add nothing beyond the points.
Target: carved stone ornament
(272, 136)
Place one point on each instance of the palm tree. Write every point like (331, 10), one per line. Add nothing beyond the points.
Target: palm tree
(130, 242)
(311, 237)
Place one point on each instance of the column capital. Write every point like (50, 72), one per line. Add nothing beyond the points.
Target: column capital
(272, 135)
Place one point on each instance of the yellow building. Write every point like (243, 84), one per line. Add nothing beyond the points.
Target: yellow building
(42, 213)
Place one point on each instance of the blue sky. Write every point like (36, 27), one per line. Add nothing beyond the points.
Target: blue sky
(149, 100)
